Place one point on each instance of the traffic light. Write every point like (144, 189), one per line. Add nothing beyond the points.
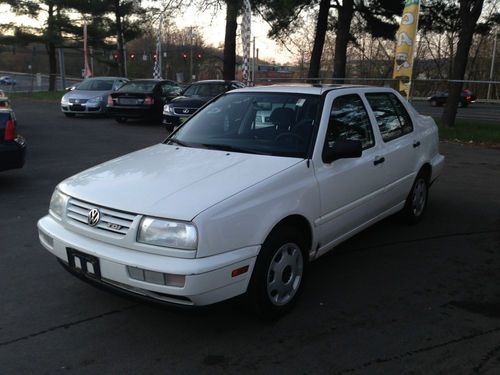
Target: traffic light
(199, 56)
(184, 56)
(115, 56)
(132, 56)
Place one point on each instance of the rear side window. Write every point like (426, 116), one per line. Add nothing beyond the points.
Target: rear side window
(349, 120)
(392, 118)
(3, 119)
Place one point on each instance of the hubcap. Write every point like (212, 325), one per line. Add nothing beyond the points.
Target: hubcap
(285, 274)
(419, 197)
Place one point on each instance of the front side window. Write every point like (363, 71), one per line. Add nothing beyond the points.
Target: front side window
(96, 85)
(276, 124)
(349, 120)
(392, 118)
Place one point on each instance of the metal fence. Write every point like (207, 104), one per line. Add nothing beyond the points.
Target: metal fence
(26, 82)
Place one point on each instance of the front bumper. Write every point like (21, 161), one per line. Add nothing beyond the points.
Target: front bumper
(207, 280)
(84, 108)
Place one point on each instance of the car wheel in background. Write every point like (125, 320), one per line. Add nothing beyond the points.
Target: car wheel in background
(416, 202)
(278, 274)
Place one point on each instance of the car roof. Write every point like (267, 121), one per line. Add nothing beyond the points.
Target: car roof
(106, 78)
(300, 88)
(209, 81)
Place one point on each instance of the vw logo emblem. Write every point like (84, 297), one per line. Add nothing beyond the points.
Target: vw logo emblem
(186, 110)
(93, 217)
(77, 101)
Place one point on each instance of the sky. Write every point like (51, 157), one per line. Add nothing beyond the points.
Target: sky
(214, 30)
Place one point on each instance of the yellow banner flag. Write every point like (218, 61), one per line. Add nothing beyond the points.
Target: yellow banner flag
(406, 35)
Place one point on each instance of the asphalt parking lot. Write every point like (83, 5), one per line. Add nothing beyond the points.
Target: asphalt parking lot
(394, 299)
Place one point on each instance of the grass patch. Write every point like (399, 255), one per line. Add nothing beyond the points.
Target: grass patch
(471, 131)
(52, 96)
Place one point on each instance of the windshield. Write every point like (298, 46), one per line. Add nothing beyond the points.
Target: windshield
(209, 90)
(96, 85)
(276, 124)
(138, 86)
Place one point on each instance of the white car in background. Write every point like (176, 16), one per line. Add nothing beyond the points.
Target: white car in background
(231, 204)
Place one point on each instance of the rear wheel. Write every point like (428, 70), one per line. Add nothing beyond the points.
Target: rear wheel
(121, 120)
(278, 274)
(416, 202)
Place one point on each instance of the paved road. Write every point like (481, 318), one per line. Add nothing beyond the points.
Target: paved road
(476, 111)
(395, 299)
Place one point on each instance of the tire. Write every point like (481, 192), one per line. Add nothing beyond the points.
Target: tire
(278, 274)
(67, 114)
(121, 120)
(416, 202)
(434, 103)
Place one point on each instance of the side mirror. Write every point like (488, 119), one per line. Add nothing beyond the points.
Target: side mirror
(342, 149)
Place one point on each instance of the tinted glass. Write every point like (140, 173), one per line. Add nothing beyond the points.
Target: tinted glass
(392, 118)
(3, 119)
(263, 123)
(96, 85)
(349, 120)
(206, 90)
(138, 86)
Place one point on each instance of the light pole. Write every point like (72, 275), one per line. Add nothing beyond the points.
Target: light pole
(488, 95)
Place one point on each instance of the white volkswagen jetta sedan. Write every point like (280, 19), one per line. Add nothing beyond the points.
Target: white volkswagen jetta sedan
(259, 182)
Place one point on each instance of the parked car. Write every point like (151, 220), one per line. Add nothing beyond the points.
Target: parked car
(142, 99)
(192, 98)
(12, 145)
(7, 80)
(228, 205)
(90, 96)
(439, 99)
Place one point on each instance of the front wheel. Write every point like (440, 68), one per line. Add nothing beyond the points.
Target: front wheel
(278, 274)
(416, 202)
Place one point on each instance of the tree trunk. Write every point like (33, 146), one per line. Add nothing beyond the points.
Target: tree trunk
(319, 39)
(119, 38)
(343, 29)
(51, 48)
(470, 10)
(230, 39)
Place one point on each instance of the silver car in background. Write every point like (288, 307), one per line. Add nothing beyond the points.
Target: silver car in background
(90, 96)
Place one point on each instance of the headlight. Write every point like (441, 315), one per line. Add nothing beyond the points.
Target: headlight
(57, 204)
(167, 109)
(64, 100)
(95, 100)
(168, 233)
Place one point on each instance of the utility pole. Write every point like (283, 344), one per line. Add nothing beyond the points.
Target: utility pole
(253, 64)
(124, 57)
(488, 95)
(191, 56)
(62, 69)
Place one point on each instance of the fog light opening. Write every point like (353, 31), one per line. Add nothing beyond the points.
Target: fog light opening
(154, 277)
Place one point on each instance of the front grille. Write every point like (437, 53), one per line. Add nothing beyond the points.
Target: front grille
(110, 220)
(180, 111)
(78, 101)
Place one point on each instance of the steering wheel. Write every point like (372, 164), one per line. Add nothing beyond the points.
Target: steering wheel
(291, 136)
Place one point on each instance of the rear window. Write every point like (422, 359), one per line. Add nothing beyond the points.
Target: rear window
(96, 85)
(138, 86)
(206, 90)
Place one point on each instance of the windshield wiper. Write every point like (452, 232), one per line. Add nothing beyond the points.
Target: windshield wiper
(223, 147)
(176, 141)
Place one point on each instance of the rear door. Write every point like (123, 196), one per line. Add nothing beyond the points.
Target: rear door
(400, 140)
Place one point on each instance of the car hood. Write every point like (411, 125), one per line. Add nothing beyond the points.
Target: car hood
(189, 101)
(171, 181)
(85, 94)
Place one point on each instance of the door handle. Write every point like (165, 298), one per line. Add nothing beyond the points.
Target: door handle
(416, 144)
(378, 160)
